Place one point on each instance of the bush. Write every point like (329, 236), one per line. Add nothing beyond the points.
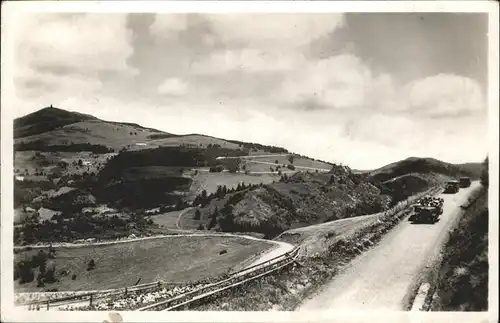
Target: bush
(197, 214)
(26, 273)
(216, 169)
(91, 265)
(73, 277)
(39, 280)
(50, 273)
(290, 166)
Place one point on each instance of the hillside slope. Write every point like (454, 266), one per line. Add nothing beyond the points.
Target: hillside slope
(424, 166)
(46, 119)
(302, 199)
(53, 129)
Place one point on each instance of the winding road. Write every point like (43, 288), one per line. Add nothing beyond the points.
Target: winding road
(383, 277)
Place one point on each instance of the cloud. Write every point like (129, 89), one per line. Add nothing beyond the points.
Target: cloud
(283, 74)
(61, 57)
(33, 84)
(445, 95)
(165, 25)
(98, 42)
(247, 60)
(274, 30)
(339, 82)
(173, 87)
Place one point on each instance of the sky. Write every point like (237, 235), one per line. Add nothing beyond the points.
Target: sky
(362, 89)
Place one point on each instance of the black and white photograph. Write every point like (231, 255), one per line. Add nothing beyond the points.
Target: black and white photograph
(295, 161)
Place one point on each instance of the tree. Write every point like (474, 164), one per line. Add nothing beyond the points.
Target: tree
(232, 164)
(227, 222)
(40, 261)
(219, 193)
(290, 159)
(204, 194)
(179, 205)
(201, 227)
(80, 163)
(50, 273)
(25, 272)
(213, 220)
(276, 161)
(91, 265)
(197, 214)
(39, 280)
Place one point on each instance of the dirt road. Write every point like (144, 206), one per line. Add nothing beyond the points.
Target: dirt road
(381, 278)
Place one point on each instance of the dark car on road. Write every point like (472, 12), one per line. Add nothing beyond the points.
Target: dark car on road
(464, 182)
(452, 187)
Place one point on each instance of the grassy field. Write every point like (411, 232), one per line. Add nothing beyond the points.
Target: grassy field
(173, 259)
(209, 181)
(263, 164)
(166, 220)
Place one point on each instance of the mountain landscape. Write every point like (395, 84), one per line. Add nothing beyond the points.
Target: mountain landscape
(81, 179)
(69, 165)
(264, 161)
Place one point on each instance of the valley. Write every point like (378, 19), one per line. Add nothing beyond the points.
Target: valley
(144, 205)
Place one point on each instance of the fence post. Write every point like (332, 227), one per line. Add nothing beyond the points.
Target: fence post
(91, 297)
(126, 291)
(48, 305)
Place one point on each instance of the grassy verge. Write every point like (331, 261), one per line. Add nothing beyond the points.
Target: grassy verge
(461, 282)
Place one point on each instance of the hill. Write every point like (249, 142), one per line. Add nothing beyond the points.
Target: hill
(131, 169)
(52, 129)
(426, 166)
(301, 199)
(46, 119)
(140, 171)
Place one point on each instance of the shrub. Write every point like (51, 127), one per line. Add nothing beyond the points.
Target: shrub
(50, 273)
(26, 273)
(73, 277)
(197, 214)
(39, 280)
(91, 265)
